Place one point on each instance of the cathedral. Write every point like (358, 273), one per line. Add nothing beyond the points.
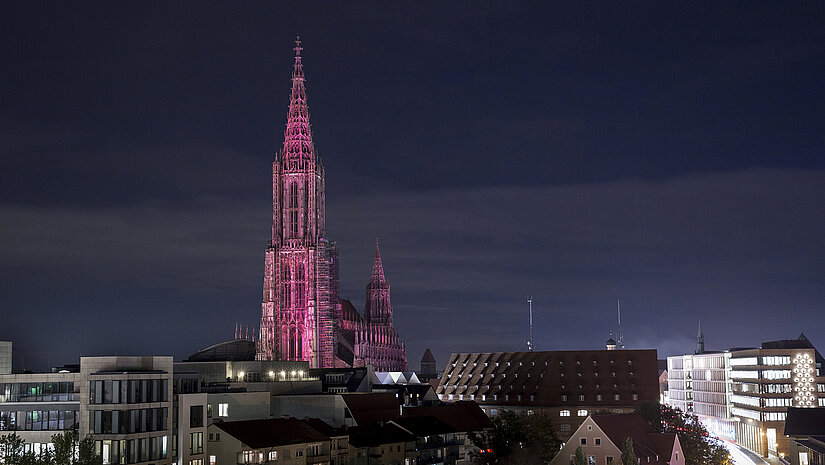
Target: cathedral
(302, 316)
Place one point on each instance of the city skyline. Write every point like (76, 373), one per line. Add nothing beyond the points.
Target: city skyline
(667, 156)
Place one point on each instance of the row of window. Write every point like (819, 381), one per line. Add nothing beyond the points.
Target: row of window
(132, 450)
(37, 392)
(763, 402)
(38, 420)
(128, 421)
(253, 456)
(133, 391)
(519, 397)
(566, 413)
(596, 442)
(532, 363)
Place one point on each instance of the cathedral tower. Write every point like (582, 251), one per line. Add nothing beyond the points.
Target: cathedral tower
(300, 286)
(377, 307)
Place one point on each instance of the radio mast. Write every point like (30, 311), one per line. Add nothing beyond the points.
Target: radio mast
(530, 342)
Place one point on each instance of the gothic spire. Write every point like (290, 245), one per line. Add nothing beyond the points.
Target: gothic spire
(700, 340)
(298, 135)
(377, 275)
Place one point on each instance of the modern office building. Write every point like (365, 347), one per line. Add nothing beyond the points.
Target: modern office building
(700, 384)
(5, 357)
(743, 394)
(566, 385)
(124, 402)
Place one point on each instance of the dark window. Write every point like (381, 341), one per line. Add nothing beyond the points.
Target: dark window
(196, 416)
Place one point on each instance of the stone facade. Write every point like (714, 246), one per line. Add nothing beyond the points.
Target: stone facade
(302, 316)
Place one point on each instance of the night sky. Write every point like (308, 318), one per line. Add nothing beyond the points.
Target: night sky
(670, 154)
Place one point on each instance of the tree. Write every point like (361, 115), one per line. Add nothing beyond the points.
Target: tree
(698, 446)
(67, 451)
(11, 448)
(517, 439)
(628, 456)
(86, 452)
(579, 459)
(65, 448)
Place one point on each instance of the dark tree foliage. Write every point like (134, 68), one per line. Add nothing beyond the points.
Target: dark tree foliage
(516, 439)
(698, 446)
(628, 456)
(579, 459)
(67, 451)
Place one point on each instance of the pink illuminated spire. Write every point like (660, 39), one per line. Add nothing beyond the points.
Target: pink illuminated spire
(377, 275)
(298, 135)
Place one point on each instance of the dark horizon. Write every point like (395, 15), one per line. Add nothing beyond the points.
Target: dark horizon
(670, 156)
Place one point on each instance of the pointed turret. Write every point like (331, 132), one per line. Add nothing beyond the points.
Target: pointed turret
(377, 275)
(298, 134)
(700, 340)
(378, 308)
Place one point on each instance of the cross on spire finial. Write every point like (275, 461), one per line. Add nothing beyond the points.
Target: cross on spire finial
(298, 47)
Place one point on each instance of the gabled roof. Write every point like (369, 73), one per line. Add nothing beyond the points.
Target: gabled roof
(462, 416)
(271, 432)
(369, 408)
(657, 446)
(805, 422)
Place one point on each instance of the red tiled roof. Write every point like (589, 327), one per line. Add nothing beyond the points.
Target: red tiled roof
(540, 379)
(657, 446)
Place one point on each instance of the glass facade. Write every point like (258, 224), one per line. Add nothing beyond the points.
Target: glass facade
(133, 391)
(133, 450)
(128, 421)
(58, 419)
(37, 392)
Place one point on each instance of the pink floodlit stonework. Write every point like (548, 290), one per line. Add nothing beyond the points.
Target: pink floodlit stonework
(302, 315)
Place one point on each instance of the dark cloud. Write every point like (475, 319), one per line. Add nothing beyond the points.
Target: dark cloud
(733, 249)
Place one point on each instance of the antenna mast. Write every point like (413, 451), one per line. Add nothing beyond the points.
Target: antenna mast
(620, 344)
(530, 342)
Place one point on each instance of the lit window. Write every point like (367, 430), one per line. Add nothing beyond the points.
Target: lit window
(564, 413)
(196, 443)
(223, 410)
(582, 413)
(273, 455)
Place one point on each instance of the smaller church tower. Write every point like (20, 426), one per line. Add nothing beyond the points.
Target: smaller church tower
(377, 308)
(376, 341)
(429, 370)
(700, 340)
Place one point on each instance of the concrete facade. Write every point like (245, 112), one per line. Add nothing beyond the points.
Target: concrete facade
(5, 357)
(743, 394)
(124, 402)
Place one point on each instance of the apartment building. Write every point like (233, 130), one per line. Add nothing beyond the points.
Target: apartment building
(743, 394)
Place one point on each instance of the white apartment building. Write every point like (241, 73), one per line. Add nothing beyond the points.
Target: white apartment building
(743, 394)
(701, 384)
